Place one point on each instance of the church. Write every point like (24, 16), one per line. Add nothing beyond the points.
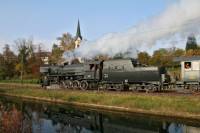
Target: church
(68, 43)
(78, 37)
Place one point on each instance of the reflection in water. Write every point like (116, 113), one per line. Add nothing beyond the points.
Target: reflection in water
(17, 116)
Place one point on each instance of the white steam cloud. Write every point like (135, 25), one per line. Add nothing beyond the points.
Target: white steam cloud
(181, 18)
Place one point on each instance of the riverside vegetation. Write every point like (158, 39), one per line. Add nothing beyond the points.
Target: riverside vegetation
(158, 104)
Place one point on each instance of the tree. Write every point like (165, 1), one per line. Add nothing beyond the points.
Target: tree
(191, 43)
(178, 52)
(193, 52)
(67, 42)
(162, 57)
(7, 63)
(25, 51)
(157, 57)
(10, 61)
(34, 63)
(143, 58)
(2, 68)
(56, 55)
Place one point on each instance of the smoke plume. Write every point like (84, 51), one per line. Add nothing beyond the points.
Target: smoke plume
(181, 18)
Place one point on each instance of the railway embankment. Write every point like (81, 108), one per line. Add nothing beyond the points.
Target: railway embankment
(160, 104)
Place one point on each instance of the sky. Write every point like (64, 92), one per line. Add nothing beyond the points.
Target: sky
(45, 20)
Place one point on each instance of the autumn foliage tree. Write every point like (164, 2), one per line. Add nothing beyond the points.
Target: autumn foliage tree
(67, 42)
(56, 55)
(160, 57)
(143, 58)
(34, 63)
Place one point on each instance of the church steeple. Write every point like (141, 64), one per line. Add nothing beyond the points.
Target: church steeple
(78, 33)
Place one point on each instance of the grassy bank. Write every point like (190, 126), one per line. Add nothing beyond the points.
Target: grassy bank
(25, 81)
(19, 85)
(163, 104)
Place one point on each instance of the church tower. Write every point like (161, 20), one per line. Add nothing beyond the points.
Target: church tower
(78, 37)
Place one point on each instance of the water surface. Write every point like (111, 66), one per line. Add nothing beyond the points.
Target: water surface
(17, 115)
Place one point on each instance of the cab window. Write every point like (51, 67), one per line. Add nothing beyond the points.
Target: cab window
(187, 65)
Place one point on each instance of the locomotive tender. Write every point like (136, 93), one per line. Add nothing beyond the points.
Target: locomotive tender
(117, 74)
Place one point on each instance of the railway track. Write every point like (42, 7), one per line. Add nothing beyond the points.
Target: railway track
(173, 91)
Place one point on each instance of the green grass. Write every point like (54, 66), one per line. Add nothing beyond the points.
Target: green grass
(164, 104)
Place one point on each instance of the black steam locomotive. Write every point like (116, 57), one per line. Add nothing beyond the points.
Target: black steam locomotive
(116, 74)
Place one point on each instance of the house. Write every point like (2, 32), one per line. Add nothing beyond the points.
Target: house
(44, 56)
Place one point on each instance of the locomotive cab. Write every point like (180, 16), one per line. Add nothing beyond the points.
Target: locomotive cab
(93, 70)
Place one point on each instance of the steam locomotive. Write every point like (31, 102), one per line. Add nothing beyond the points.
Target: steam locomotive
(115, 74)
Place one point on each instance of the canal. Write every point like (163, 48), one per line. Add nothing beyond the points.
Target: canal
(25, 116)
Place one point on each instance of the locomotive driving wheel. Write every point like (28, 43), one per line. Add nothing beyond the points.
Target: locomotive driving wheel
(76, 84)
(194, 88)
(151, 88)
(84, 85)
(68, 84)
(62, 85)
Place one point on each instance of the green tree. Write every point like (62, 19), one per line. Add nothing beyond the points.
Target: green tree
(191, 43)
